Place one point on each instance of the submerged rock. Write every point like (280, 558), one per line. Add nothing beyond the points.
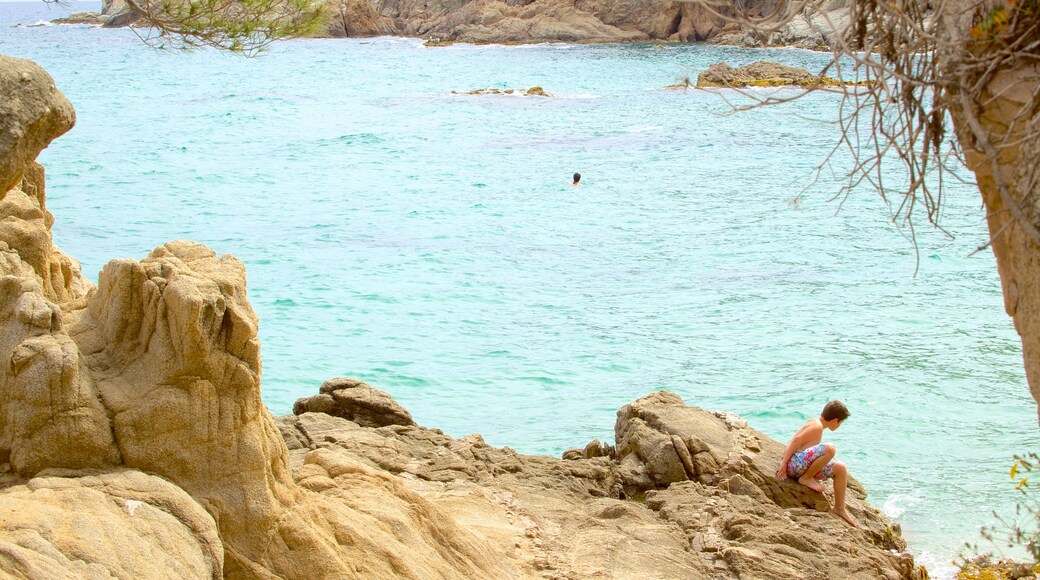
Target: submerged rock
(533, 91)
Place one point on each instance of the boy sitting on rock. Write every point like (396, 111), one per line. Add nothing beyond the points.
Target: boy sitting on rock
(810, 461)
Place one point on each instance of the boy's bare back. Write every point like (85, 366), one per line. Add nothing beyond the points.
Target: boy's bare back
(810, 434)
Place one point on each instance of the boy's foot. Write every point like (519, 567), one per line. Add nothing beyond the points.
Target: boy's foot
(811, 484)
(845, 516)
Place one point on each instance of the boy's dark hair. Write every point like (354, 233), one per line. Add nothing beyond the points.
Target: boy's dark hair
(835, 410)
(577, 177)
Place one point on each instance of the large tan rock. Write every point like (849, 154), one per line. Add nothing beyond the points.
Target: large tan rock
(157, 371)
(661, 440)
(711, 510)
(356, 401)
(32, 114)
(356, 18)
(51, 414)
(760, 73)
(123, 524)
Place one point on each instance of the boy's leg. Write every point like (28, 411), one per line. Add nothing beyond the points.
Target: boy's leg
(841, 482)
(819, 463)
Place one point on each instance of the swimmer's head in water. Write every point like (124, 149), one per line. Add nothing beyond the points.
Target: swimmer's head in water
(577, 177)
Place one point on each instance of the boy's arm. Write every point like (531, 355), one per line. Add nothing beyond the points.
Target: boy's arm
(797, 442)
(781, 473)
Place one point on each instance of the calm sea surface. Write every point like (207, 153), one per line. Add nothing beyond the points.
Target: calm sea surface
(430, 244)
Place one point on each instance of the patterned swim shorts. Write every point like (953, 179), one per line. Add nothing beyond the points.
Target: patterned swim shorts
(801, 461)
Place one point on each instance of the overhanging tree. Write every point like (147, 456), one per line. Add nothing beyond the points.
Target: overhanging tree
(243, 26)
(947, 83)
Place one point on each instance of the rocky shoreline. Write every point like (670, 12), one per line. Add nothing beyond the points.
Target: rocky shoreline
(443, 22)
(134, 443)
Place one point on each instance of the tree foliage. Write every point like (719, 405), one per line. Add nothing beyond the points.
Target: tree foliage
(922, 60)
(241, 26)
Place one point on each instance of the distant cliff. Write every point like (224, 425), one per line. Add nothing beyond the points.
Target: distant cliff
(533, 21)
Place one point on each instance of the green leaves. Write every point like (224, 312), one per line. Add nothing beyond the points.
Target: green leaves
(240, 26)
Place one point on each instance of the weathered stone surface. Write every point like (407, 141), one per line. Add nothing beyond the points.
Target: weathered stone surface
(124, 524)
(356, 18)
(50, 411)
(720, 446)
(118, 13)
(355, 401)
(760, 74)
(32, 114)
(91, 18)
(157, 371)
(540, 514)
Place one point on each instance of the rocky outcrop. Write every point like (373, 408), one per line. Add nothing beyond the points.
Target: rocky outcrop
(123, 524)
(761, 73)
(527, 21)
(356, 18)
(118, 13)
(708, 505)
(90, 18)
(32, 114)
(158, 370)
(531, 92)
(355, 401)
(133, 442)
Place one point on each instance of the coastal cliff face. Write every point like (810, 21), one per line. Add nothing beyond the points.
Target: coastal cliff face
(532, 21)
(134, 443)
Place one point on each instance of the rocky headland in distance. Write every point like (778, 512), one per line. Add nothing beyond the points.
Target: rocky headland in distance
(444, 22)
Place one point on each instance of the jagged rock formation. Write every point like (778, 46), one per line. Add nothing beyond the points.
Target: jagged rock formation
(158, 369)
(91, 18)
(133, 442)
(355, 401)
(726, 515)
(356, 18)
(529, 21)
(761, 73)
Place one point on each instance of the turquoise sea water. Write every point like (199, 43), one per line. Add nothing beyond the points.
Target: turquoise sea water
(431, 245)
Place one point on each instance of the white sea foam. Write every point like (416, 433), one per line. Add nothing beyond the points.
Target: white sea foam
(896, 504)
(939, 568)
(574, 96)
(643, 128)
